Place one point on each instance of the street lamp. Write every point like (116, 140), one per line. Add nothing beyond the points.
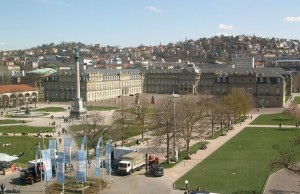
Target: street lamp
(186, 184)
(53, 132)
(147, 137)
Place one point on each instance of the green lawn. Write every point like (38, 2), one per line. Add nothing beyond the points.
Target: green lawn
(273, 119)
(242, 164)
(24, 128)
(11, 121)
(93, 108)
(21, 144)
(51, 109)
(297, 100)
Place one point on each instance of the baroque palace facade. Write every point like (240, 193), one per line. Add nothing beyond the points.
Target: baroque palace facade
(269, 86)
(95, 84)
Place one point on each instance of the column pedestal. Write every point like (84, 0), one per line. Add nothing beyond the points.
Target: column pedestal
(77, 109)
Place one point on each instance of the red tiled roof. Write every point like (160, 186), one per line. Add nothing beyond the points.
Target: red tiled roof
(15, 88)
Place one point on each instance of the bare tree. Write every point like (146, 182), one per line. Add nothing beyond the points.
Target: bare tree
(122, 120)
(288, 159)
(164, 125)
(192, 121)
(93, 128)
(293, 111)
(213, 108)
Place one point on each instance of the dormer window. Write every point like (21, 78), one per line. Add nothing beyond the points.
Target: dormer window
(261, 80)
(278, 80)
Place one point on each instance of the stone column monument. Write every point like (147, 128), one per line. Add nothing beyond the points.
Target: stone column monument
(77, 109)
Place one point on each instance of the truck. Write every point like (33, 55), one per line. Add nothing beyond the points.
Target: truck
(131, 162)
(31, 174)
(119, 152)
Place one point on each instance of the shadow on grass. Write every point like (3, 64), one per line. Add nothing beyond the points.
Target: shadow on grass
(286, 129)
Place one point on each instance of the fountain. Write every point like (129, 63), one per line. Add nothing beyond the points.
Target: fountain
(27, 112)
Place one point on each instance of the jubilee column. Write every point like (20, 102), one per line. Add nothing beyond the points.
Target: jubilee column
(77, 109)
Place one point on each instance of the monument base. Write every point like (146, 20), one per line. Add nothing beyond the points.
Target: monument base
(77, 110)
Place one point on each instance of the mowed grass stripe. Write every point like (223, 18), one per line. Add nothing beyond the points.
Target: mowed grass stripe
(24, 129)
(273, 119)
(242, 164)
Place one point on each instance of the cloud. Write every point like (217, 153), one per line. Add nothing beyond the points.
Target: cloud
(226, 27)
(292, 19)
(153, 9)
(222, 33)
(2, 43)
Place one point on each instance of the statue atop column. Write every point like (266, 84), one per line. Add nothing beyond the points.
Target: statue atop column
(77, 109)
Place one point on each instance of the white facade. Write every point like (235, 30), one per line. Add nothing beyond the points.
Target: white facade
(243, 62)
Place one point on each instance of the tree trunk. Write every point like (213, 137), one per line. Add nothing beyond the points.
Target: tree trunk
(168, 148)
(187, 149)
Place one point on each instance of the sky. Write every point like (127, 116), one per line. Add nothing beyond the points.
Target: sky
(30, 23)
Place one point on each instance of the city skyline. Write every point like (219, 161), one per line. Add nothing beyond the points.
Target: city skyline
(31, 23)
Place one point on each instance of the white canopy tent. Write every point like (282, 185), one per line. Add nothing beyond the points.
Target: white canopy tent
(7, 158)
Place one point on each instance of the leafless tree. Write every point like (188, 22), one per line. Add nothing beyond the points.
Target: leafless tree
(164, 125)
(288, 159)
(213, 110)
(122, 119)
(293, 111)
(93, 127)
(192, 121)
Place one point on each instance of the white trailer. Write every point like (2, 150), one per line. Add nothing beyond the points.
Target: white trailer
(131, 162)
(121, 151)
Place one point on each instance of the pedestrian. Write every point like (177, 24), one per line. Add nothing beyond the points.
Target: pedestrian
(3, 188)
(59, 140)
(90, 162)
(251, 117)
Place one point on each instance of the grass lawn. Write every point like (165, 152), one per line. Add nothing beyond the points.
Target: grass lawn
(21, 144)
(51, 109)
(11, 121)
(242, 164)
(273, 119)
(93, 108)
(297, 100)
(24, 128)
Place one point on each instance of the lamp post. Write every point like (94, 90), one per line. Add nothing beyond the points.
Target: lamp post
(53, 132)
(147, 137)
(186, 184)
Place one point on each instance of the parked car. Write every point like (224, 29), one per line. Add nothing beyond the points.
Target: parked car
(157, 170)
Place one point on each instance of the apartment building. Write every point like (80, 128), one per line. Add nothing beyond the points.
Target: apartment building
(243, 62)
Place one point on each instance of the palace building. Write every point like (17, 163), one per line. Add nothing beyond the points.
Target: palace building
(269, 86)
(95, 84)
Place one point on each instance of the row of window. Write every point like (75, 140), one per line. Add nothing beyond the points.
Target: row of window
(242, 80)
